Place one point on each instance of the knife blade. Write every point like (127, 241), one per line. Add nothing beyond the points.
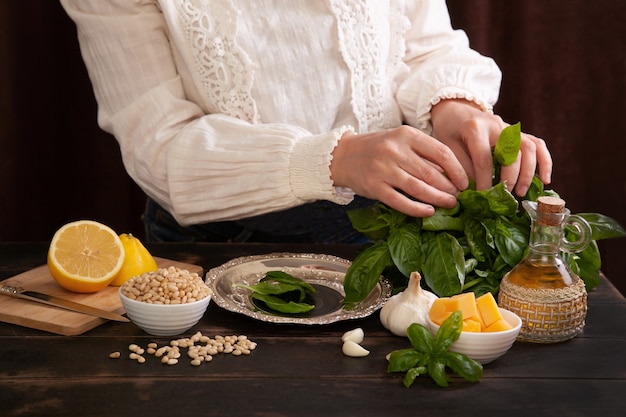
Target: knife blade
(19, 292)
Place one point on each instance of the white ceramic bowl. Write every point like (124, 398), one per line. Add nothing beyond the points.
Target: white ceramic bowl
(488, 346)
(164, 319)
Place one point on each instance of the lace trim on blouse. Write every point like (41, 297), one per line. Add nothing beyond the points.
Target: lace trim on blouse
(226, 73)
(424, 124)
(373, 63)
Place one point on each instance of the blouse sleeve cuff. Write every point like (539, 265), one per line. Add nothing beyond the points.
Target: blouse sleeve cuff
(309, 172)
(423, 120)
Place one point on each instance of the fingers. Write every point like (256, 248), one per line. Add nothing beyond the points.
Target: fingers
(472, 133)
(544, 160)
(403, 204)
(429, 171)
(481, 135)
(401, 167)
(476, 135)
(431, 159)
(533, 156)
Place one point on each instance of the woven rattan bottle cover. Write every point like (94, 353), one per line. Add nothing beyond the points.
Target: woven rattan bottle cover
(542, 289)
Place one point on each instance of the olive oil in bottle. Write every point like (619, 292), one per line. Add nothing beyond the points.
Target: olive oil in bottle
(542, 289)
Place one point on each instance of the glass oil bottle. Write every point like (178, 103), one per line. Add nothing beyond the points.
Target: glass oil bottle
(550, 299)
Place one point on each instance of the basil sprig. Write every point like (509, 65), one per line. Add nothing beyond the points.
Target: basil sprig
(467, 248)
(430, 355)
(282, 292)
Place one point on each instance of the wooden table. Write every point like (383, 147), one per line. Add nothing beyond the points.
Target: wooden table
(297, 370)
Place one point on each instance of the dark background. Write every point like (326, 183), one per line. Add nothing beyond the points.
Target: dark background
(564, 64)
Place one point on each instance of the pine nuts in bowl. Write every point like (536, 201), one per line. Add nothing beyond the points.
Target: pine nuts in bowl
(165, 302)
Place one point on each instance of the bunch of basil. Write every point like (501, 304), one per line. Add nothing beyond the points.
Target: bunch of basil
(467, 248)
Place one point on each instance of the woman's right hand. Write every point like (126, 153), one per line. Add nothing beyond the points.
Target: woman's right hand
(401, 167)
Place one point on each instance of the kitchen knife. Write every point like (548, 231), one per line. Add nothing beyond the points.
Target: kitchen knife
(18, 292)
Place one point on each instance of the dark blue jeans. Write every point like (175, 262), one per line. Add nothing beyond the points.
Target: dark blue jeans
(319, 222)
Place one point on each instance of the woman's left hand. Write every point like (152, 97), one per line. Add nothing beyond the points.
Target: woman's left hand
(472, 134)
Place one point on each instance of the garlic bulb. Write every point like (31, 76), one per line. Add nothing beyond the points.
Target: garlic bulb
(409, 306)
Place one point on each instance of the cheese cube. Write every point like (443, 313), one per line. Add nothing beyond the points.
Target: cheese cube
(498, 326)
(439, 311)
(439, 306)
(466, 302)
(440, 318)
(488, 310)
(471, 325)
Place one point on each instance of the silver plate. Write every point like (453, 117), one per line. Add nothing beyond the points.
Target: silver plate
(325, 272)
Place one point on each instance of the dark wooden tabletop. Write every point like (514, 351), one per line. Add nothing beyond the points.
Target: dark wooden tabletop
(297, 370)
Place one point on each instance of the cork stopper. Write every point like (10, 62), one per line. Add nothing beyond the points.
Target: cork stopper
(546, 206)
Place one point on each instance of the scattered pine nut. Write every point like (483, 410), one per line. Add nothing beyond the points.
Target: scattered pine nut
(200, 349)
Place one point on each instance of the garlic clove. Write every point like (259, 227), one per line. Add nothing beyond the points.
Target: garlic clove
(355, 335)
(353, 349)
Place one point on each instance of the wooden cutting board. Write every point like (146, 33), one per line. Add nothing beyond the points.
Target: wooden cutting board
(57, 320)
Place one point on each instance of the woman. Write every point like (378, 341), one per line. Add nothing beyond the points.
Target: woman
(268, 119)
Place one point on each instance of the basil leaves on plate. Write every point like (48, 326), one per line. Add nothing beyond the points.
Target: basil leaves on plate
(282, 293)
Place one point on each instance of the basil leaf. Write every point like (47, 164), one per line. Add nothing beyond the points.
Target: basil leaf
(444, 265)
(394, 217)
(493, 201)
(285, 278)
(278, 304)
(603, 227)
(478, 238)
(474, 203)
(507, 148)
(370, 222)
(405, 248)
(442, 222)
(463, 366)
(437, 371)
(403, 360)
(275, 288)
(365, 271)
(449, 332)
(412, 374)
(512, 241)
(586, 265)
(420, 337)
(500, 200)
(470, 265)
(590, 255)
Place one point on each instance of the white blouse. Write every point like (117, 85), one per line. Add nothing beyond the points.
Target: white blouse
(226, 109)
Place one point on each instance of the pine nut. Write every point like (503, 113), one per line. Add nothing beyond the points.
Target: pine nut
(200, 348)
(166, 286)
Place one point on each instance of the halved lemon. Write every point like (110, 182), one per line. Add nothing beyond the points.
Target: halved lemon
(85, 256)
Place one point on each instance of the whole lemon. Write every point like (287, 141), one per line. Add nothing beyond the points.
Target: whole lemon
(137, 260)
